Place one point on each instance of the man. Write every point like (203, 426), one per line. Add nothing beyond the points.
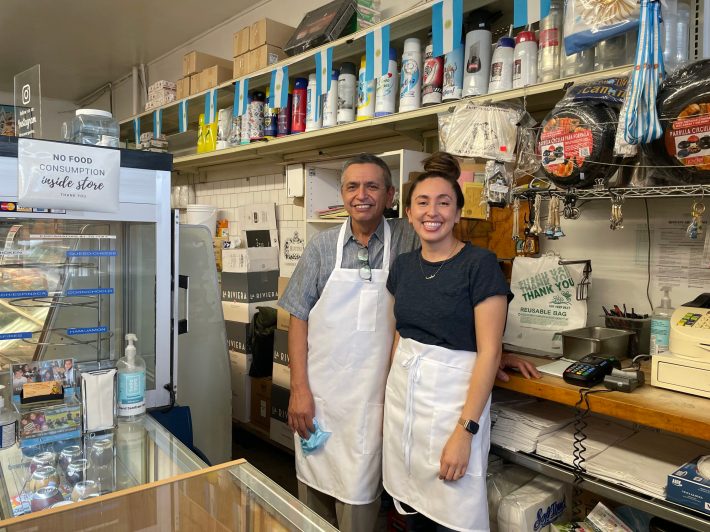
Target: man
(339, 342)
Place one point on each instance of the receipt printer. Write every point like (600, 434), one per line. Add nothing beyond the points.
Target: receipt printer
(686, 367)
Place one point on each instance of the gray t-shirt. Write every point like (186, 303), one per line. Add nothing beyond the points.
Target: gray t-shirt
(318, 261)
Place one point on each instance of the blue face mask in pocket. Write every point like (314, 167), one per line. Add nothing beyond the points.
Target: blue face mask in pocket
(316, 440)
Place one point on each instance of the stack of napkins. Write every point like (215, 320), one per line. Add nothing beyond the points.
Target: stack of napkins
(518, 427)
(601, 434)
(643, 461)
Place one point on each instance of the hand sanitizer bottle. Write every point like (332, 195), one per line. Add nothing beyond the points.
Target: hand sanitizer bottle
(661, 323)
(131, 382)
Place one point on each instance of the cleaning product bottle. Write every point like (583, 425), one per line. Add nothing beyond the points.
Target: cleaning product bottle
(502, 64)
(131, 382)
(477, 63)
(386, 91)
(365, 94)
(661, 323)
(347, 93)
(8, 423)
(410, 83)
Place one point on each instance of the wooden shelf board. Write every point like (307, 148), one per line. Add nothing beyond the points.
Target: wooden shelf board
(654, 407)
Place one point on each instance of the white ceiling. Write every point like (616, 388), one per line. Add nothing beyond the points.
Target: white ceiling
(82, 44)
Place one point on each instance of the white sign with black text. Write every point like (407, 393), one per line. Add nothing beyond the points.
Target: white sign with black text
(54, 175)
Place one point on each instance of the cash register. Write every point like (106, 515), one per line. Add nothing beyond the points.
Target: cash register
(685, 367)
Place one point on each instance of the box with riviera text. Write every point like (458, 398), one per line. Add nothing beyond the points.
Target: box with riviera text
(281, 371)
(250, 287)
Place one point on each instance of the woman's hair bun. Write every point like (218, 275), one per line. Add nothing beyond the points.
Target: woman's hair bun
(444, 164)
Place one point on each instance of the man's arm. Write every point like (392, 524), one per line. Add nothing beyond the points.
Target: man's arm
(301, 407)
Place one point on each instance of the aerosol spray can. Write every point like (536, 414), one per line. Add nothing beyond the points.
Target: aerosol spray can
(283, 123)
(271, 117)
(330, 102)
(386, 93)
(433, 77)
(410, 86)
(298, 107)
(502, 64)
(365, 94)
(453, 75)
(525, 59)
(477, 51)
(347, 93)
(313, 106)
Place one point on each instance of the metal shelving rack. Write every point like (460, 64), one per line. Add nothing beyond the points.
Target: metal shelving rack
(673, 191)
(659, 507)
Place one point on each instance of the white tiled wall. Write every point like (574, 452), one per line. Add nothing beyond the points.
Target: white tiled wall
(229, 194)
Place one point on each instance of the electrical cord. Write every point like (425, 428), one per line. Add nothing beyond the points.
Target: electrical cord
(580, 425)
(648, 256)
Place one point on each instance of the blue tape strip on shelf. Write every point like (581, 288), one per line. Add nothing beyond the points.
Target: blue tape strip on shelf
(23, 293)
(86, 330)
(90, 292)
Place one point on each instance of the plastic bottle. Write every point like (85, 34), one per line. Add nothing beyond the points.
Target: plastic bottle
(330, 102)
(661, 323)
(95, 127)
(477, 51)
(502, 65)
(575, 64)
(131, 382)
(365, 94)
(201, 133)
(525, 59)
(347, 93)
(312, 105)
(453, 75)
(298, 106)
(255, 113)
(8, 424)
(548, 68)
(410, 85)
(676, 20)
(271, 117)
(386, 92)
(432, 77)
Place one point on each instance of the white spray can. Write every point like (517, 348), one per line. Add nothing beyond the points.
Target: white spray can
(410, 87)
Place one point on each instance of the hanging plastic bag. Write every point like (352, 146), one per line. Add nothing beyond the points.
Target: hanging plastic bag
(497, 185)
(588, 22)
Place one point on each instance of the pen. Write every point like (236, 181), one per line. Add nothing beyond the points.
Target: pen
(624, 310)
(606, 312)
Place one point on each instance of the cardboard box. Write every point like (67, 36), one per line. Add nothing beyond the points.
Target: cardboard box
(194, 62)
(282, 317)
(267, 31)
(264, 56)
(255, 259)
(238, 336)
(257, 216)
(261, 238)
(183, 88)
(243, 312)
(241, 66)
(251, 287)
(161, 86)
(688, 487)
(194, 84)
(241, 386)
(241, 41)
(281, 433)
(261, 402)
(213, 76)
(279, 403)
(292, 245)
(281, 370)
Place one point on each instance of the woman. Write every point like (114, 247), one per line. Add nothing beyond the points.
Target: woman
(450, 307)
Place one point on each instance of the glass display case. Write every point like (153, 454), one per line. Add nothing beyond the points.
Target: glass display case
(231, 497)
(56, 474)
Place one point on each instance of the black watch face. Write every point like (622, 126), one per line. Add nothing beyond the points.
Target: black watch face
(472, 427)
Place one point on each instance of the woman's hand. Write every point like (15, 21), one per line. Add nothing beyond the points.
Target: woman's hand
(528, 370)
(455, 456)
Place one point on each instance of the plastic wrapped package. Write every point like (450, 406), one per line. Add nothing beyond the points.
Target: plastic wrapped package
(684, 111)
(497, 187)
(576, 139)
(528, 163)
(487, 131)
(588, 22)
(534, 506)
(502, 480)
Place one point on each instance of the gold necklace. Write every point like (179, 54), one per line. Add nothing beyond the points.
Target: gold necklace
(427, 277)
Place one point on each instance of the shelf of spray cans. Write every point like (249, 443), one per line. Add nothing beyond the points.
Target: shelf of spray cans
(406, 126)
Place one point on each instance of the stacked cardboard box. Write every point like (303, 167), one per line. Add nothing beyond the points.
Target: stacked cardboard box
(367, 13)
(150, 143)
(202, 71)
(282, 317)
(259, 45)
(160, 93)
(261, 402)
(241, 385)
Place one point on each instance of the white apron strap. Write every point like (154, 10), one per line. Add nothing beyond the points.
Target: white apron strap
(386, 254)
(341, 243)
(411, 364)
(400, 510)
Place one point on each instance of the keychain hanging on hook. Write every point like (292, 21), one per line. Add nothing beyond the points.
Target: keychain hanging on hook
(696, 224)
(617, 216)
(536, 228)
(557, 231)
(516, 219)
(571, 211)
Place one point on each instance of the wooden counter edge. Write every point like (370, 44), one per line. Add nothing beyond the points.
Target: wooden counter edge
(616, 404)
(120, 493)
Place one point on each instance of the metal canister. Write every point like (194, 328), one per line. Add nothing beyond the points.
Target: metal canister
(76, 471)
(42, 459)
(43, 477)
(271, 116)
(255, 116)
(68, 455)
(44, 498)
(283, 123)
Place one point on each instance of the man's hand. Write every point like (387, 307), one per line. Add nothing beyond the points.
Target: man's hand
(301, 411)
(455, 455)
(528, 370)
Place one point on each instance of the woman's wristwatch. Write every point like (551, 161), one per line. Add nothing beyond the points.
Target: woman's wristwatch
(469, 424)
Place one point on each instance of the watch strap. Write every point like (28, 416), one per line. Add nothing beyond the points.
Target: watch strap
(469, 424)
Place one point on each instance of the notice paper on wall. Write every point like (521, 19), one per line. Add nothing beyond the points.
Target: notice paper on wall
(676, 259)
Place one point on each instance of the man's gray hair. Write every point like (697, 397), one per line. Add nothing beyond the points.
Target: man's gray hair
(369, 158)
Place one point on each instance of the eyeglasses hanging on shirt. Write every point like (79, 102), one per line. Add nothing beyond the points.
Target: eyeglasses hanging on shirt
(363, 256)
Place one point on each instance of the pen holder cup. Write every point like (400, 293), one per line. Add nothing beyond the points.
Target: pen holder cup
(640, 342)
